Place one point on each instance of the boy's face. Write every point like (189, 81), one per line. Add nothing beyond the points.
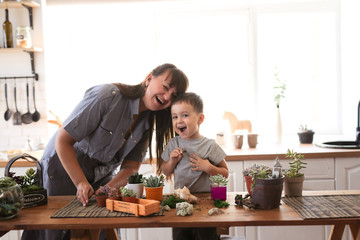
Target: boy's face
(186, 121)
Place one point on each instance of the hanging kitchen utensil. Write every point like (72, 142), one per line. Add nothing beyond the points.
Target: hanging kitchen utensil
(17, 114)
(26, 118)
(36, 114)
(8, 113)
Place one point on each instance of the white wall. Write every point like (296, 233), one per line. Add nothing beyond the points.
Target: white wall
(18, 64)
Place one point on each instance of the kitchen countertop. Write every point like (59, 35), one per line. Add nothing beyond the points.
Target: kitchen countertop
(271, 151)
(21, 162)
(261, 152)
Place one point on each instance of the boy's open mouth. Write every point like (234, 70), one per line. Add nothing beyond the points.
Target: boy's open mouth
(182, 129)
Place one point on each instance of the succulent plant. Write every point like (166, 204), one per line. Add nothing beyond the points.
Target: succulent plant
(104, 190)
(258, 171)
(135, 178)
(218, 180)
(7, 182)
(28, 182)
(153, 181)
(295, 165)
(125, 192)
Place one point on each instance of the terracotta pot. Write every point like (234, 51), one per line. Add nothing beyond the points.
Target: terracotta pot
(294, 186)
(155, 193)
(129, 199)
(117, 198)
(101, 200)
(266, 193)
(248, 181)
(218, 193)
(136, 187)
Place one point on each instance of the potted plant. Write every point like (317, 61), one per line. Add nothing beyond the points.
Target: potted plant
(266, 190)
(293, 177)
(128, 195)
(154, 187)
(218, 187)
(305, 135)
(11, 198)
(114, 194)
(134, 183)
(101, 195)
(31, 183)
(253, 172)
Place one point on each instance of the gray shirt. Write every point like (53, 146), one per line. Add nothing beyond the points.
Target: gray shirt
(99, 124)
(196, 181)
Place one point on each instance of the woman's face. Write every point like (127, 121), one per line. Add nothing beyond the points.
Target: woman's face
(158, 94)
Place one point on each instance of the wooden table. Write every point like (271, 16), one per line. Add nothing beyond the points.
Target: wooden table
(86, 228)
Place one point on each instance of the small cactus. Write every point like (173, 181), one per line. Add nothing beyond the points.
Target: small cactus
(153, 181)
(135, 178)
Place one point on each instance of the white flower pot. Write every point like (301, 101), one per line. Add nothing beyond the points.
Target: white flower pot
(136, 187)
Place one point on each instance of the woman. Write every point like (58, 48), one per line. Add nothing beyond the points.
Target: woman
(112, 126)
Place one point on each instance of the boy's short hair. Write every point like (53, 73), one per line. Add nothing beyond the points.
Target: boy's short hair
(191, 98)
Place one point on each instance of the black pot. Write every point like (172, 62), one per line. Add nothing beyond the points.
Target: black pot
(266, 193)
(306, 136)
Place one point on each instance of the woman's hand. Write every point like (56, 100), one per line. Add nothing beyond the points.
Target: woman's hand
(84, 192)
(64, 148)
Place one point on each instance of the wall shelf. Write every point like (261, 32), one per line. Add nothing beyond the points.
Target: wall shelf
(19, 4)
(18, 50)
(29, 5)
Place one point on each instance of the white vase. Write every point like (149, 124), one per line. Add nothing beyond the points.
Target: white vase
(137, 187)
(278, 128)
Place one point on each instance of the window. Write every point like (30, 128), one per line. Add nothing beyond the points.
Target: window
(229, 50)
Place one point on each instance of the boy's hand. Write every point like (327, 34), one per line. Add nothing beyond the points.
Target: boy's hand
(176, 155)
(199, 164)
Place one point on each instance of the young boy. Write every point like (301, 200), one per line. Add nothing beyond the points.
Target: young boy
(192, 158)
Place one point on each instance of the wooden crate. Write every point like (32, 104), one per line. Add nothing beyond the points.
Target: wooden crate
(142, 207)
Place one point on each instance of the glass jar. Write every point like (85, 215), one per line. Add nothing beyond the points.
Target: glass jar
(11, 201)
(23, 37)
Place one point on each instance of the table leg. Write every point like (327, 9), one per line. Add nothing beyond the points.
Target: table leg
(222, 230)
(337, 231)
(111, 234)
(355, 230)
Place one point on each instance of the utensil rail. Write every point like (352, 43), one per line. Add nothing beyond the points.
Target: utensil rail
(35, 76)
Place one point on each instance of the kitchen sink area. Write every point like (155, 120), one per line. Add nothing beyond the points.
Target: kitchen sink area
(345, 144)
(340, 144)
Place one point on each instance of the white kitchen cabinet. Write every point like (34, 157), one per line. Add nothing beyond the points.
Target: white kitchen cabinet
(347, 173)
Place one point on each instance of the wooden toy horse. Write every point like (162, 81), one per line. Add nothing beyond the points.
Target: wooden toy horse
(236, 124)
